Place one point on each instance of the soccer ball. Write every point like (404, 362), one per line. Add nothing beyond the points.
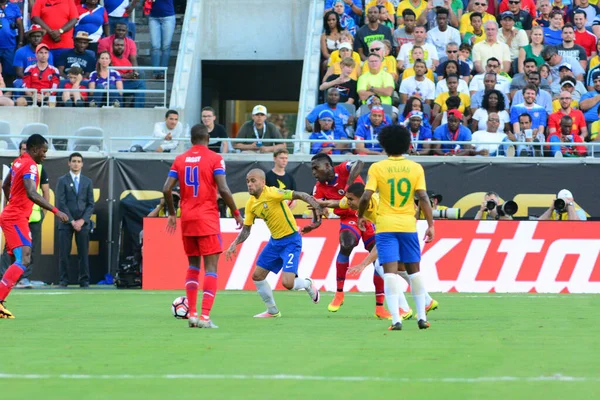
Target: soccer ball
(180, 308)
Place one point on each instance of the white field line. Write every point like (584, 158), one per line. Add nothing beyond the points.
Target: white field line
(244, 377)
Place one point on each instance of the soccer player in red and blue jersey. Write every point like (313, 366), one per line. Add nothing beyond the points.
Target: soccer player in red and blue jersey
(331, 185)
(200, 172)
(21, 191)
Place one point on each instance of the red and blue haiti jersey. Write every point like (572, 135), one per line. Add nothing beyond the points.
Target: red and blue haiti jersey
(19, 206)
(335, 190)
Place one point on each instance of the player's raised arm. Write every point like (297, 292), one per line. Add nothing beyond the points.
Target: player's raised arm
(318, 210)
(232, 250)
(168, 196)
(33, 195)
(363, 205)
(357, 167)
(425, 206)
(228, 199)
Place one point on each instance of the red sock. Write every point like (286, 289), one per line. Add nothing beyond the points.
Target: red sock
(379, 293)
(210, 290)
(191, 288)
(11, 276)
(341, 267)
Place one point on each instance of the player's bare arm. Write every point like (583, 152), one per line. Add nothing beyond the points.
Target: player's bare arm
(228, 199)
(363, 205)
(33, 195)
(317, 210)
(329, 203)
(232, 250)
(168, 196)
(370, 259)
(357, 167)
(6, 186)
(425, 206)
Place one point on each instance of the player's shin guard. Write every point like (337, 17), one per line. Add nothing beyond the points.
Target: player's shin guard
(191, 288)
(10, 278)
(378, 282)
(404, 276)
(266, 294)
(392, 290)
(341, 267)
(210, 291)
(418, 291)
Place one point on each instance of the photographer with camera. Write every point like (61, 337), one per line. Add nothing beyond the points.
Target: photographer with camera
(439, 211)
(491, 209)
(563, 209)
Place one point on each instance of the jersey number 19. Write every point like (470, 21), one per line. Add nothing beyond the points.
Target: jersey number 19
(403, 188)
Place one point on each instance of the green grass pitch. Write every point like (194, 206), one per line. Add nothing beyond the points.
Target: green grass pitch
(109, 344)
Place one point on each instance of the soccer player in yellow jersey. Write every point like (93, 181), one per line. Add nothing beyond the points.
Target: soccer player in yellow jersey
(285, 245)
(398, 180)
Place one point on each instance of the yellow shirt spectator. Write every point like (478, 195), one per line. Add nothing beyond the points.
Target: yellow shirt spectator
(388, 65)
(271, 207)
(556, 105)
(593, 61)
(396, 179)
(418, 9)
(465, 101)
(335, 57)
(465, 22)
(337, 70)
(595, 129)
(379, 80)
(388, 6)
(408, 72)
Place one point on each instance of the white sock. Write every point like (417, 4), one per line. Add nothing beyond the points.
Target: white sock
(378, 268)
(404, 275)
(392, 290)
(301, 283)
(402, 303)
(265, 292)
(418, 292)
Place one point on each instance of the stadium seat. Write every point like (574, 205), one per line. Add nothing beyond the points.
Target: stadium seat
(92, 139)
(35, 127)
(350, 107)
(5, 131)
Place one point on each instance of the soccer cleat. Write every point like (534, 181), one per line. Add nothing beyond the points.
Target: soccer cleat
(423, 324)
(313, 292)
(395, 327)
(406, 315)
(267, 314)
(193, 321)
(337, 302)
(4, 313)
(382, 313)
(432, 306)
(206, 323)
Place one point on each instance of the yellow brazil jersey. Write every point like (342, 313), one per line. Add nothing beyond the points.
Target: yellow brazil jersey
(465, 22)
(272, 208)
(465, 101)
(396, 179)
(335, 57)
(418, 9)
(389, 65)
(408, 72)
(556, 105)
(595, 130)
(371, 213)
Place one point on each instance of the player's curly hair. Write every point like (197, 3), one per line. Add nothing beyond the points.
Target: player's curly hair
(395, 139)
(36, 140)
(322, 157)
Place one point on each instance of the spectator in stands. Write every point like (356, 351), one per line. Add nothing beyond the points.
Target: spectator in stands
(119, 12)
(343, 82)
(58, 18)
(418, 85)
(493, 103)
(341, 116)
(526, 134)
(79, 56)
(491, 48)
(93, 19)
(585, 8)
(260, 130)
(404, 34)
(543, 97)
(335, 68)
(489, 83)
(388, 63)
(543, 17)
(216, 131)
(106, 44)
(443, 34)
(568, 47)
(103, 78)
(452, 55)
(479, 6)
(373, 101)
(369, 130)
(369, 32)
(384, 16)
(452, 103)
(524, 12)
(11, 35)
(162, 26)
(430, 54)
(451, 69)
(25, 56)
(566, 75)
(325, 129)
(376, 81)
(519, 81)
(464, 54)
(452, 131)
(572, 86)
(538, 114)
(591, 100)
(439, 105)
(428, 17)
(166, 132)
(420, 131)
(331, 37)
(38, 76)
(75, 81)
(131, 78)
(556, 61)
(492, 66)
(4, 100)
(278, 177)
(583, 37)
(346, 22)
(415, 104)
(351, 7)
(553, 32)
(559, 146)
(346, 40)
(492, 135)
(570, 213)
(515, 38)
(418, 7)
(533, 50)
(578, 125)
(478, 34)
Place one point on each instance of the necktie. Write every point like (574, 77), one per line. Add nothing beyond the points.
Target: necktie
(76, 181)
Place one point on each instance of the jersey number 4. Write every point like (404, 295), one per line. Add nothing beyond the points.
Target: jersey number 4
(191, 178)
(403, 188)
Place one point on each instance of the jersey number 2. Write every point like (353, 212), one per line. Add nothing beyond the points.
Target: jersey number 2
(191, 178)
(403, 188)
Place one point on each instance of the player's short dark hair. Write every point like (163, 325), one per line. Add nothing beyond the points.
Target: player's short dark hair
(212, 110)
(492, 59)
(529, 60)
(76, 154)
(322, 157)
(408, 12)
(357, 189)
(441, 11)
(475, 15)
(395, 139)
(199, 134)
(36, 140)
(280, 151)
(171, 112)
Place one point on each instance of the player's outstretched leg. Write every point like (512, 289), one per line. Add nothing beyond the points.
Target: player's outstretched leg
(308, 285)
(9, 279)
(380, 311)
(341, 268)
(430, 304)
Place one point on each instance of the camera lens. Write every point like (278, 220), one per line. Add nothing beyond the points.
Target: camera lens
(490, 205)
(559, 205)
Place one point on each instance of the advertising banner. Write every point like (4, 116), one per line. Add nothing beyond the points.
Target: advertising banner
(466, 256)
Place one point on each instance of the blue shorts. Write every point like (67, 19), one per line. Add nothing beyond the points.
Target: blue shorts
(398, 246)
(281, 253)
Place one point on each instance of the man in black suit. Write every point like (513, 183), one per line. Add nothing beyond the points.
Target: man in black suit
(75, 197)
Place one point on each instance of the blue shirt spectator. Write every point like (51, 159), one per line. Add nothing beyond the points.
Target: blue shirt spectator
(347, 8)
(418, 128)
(162, 8)
(325, 130)
(85, 60)
(552, 37)
(11, 24)
(591, 115)
(543, 99)
(25, 56)
(452, 131)
(340, 114)
(539, 116)
(369, 130)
